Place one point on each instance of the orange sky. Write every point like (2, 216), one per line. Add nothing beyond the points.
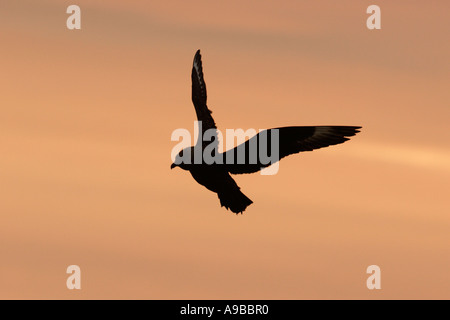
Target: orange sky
(85, 126)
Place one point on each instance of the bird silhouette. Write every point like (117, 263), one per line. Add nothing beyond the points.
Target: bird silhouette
(216, 176)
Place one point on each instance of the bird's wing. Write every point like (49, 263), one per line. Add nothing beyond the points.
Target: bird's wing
(199, 100)
(290, 140)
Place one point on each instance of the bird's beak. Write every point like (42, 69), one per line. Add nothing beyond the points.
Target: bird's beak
(173, 165)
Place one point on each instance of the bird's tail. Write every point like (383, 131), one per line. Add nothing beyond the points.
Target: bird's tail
(234, 200)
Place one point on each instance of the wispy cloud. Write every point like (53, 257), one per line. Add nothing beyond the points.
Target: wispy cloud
(416, 156)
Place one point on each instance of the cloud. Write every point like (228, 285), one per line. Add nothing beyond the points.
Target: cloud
(416, 156)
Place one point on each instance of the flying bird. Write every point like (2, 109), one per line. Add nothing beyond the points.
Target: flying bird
(216, 176)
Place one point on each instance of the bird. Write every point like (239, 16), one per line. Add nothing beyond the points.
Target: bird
(216, 177)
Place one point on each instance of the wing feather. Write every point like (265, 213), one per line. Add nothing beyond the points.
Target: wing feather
(291, 140)
(199, 99)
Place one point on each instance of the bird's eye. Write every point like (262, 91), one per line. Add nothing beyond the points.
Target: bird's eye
(181, 153)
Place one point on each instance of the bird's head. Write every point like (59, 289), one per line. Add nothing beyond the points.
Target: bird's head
(182, 159)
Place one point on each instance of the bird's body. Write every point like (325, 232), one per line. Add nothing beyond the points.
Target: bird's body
(216, 179)
(216, 176)
(208, 175)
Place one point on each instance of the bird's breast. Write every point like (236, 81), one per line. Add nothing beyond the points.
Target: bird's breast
(209, 176)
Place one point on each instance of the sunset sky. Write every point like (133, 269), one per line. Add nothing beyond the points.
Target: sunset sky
(86, 118)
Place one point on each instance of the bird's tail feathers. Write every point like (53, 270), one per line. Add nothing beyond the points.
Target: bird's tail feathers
(234, 200)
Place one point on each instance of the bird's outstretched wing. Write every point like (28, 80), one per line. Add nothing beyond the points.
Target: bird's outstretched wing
(290, 140)
(199, 100)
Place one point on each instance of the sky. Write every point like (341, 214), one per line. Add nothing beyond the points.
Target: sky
(85, 127)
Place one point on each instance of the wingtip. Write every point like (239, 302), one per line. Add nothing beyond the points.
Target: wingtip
(198, 57)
